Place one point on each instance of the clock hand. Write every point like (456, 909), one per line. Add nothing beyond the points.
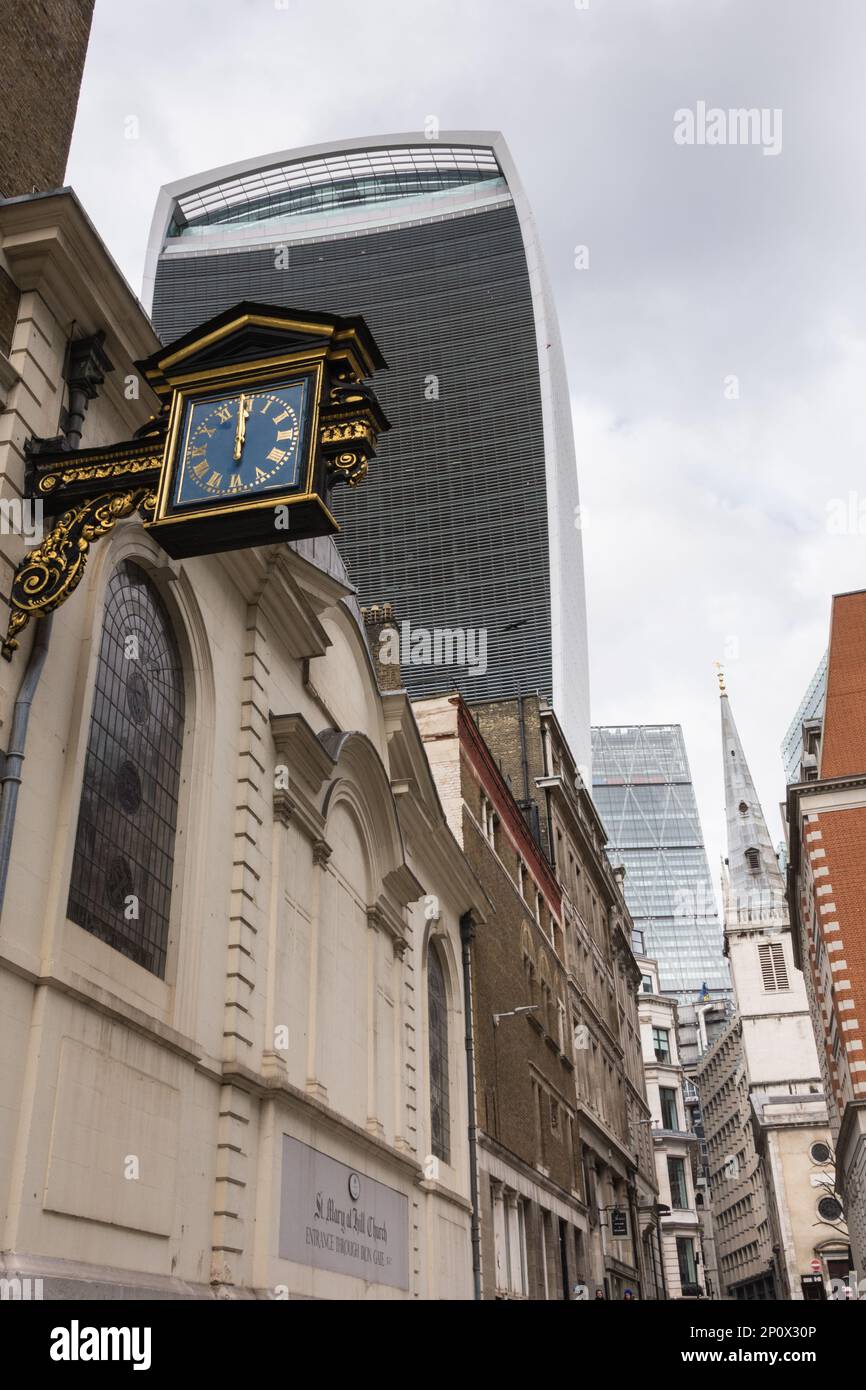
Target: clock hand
(245, 405)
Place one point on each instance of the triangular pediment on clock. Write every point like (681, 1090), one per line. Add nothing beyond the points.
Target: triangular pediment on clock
(251, 332)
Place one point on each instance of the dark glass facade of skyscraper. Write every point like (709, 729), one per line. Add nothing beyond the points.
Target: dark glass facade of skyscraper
(643, 789)
(467, 519)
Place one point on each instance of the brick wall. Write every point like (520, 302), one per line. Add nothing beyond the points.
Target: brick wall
(523, 1071)
(383, 639)
(830, 898)
(41, 61)
(836, 847)
(499, 723)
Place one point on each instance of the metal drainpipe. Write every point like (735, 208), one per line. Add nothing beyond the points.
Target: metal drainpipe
(467, 935)
(523, 757)
(10, 782)
(636, 1243)
(661, 1252)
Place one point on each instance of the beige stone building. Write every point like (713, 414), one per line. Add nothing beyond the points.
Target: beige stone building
(675, 1144)
(231, 998)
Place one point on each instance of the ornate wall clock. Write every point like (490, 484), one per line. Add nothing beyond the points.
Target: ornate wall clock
(262, 410)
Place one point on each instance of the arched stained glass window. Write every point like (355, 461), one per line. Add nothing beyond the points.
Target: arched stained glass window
(437, 1007)
(124, 845)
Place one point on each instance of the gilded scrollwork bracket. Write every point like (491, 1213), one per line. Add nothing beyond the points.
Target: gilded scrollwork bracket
(348, 467)
(351, 424)
(53, 570)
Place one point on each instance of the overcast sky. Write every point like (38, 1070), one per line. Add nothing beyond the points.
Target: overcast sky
(707, 500)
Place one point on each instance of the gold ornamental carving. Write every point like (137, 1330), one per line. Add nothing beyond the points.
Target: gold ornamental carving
(347, 431)
(96, 472)
(54, 569)
(350, 467)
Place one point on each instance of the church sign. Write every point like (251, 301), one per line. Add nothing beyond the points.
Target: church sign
(336, 1218)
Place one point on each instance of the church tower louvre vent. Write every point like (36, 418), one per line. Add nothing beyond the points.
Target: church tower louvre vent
(773, 968)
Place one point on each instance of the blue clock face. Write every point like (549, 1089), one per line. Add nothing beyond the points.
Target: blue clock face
(242, 445)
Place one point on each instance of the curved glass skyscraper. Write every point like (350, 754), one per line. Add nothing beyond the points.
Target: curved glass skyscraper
(467, 522)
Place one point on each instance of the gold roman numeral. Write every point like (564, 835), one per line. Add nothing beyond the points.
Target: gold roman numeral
(260, 475)
(285, 434)
(198, 452)
(278, 419)
(215, 479)
(201, 468)
(235, 480)
(224, 413)
(277, 455)
(266, 405)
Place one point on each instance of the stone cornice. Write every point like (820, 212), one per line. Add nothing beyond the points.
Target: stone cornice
(300, 748)
(278, 1088)
(528, 1171)
(52, 247)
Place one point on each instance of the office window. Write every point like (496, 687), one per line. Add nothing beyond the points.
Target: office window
(123, 864)
(677, 1180)
(668, 1100)
(661, 1044)
(440, 1123)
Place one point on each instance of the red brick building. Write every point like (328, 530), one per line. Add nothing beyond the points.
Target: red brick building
(827, 898)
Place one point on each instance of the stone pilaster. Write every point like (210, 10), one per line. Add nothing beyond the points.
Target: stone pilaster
(231, 1191)
(247, 916)
(321, 854)
(248, 921)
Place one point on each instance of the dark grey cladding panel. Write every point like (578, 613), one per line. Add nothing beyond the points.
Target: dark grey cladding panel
(451, 525)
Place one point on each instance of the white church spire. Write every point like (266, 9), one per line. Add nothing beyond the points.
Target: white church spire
(754, 887)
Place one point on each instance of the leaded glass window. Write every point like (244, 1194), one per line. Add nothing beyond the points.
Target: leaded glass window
(124, 845)
(440, 1119)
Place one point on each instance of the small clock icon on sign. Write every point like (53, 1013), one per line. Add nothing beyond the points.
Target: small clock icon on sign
(354, 1186)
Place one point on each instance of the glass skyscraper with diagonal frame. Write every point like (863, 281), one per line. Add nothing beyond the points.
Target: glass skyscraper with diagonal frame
(642, 786)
